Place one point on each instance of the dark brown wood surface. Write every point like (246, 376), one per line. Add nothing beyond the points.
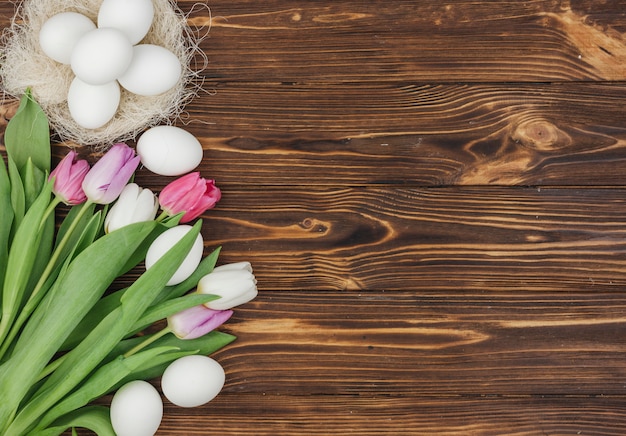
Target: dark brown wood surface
(433, 197)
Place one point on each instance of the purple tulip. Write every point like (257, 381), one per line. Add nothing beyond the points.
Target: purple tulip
(68, 178)
(197, 321)
(106, 179)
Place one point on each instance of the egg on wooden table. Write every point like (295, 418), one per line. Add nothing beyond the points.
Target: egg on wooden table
(101, 55)
(92, 106)
(167, 240)
(136, 409)
(60, 33)
(192, 381)
(133, 18)
(169, 150)
(152, 71)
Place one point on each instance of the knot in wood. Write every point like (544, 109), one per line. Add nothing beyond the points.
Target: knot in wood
(540, 134)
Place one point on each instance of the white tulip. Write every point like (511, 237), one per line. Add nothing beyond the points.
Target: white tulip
(134, 205)
(233, 283)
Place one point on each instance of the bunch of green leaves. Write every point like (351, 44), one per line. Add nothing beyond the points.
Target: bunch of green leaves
(65, 340)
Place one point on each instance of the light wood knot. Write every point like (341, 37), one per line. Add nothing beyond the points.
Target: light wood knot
(540, 135)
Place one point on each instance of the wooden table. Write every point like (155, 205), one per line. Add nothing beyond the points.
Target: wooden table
(433, 197)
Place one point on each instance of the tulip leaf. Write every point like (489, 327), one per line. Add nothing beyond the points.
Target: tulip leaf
(33, 179)
(18, 202)
(140, 253)
(204, 345)
(171, 307)
(6, 218)
(22, 256)
(74, 214)
(94, 418)
(44, 252)
(205, 267)
(83, 282)
(98, 312)
(100, 383)
(27, 135)
(111, 301)
(87, 355)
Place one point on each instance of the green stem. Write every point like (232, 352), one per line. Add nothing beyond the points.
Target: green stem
(49, 369)
(162, 216)
(147, 342)
(35, 297)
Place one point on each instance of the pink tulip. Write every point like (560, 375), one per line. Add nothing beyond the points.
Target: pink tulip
(106, 179)
(197, 321)
(68, 177)
(190, 194)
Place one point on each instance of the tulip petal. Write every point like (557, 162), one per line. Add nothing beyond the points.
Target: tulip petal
(197, 321)
(106, 179)
(234, 286)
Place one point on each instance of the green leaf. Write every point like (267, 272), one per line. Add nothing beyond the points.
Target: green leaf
(75, 214)
(94, 418)
(204, 345)
(33, 179)
(18, 200)
(205, 267)
(27, 135)
(111, 301)
(21, 259)
(44, 251)
(96, 346)
(140, 254)
(170, 307)
(87, 277)
(101, 382)
(98, 312)
(6, 218)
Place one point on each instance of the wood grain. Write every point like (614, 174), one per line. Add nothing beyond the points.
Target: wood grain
(351, 41)
(415, 134)
(433, 197)
(391, 415)
(488, 239)
(428, 344)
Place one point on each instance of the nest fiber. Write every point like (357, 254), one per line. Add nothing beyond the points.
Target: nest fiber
(24, 65)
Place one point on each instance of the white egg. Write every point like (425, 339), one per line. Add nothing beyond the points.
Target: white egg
(133, 18)
(167, 240)
(136, 409)
(169, 150)
(92, 106)
(101, 55)
(153, 70)
(192, 381)
(60, 33)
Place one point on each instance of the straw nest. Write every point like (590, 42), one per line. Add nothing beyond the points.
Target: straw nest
(24, 65)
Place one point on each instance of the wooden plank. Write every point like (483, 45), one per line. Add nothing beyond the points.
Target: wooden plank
(427, 344)
(391, 415)
(414, 134)
(466, 41)
(409, 135)
(373, 239)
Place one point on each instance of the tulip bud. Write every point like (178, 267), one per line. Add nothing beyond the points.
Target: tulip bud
(68, 178)
(190, 194)
(197, 321)
(165, 241)
(106, 179)
(134, 205)
(233, 283)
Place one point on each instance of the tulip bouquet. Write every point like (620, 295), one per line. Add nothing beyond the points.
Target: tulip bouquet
(66, 338)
